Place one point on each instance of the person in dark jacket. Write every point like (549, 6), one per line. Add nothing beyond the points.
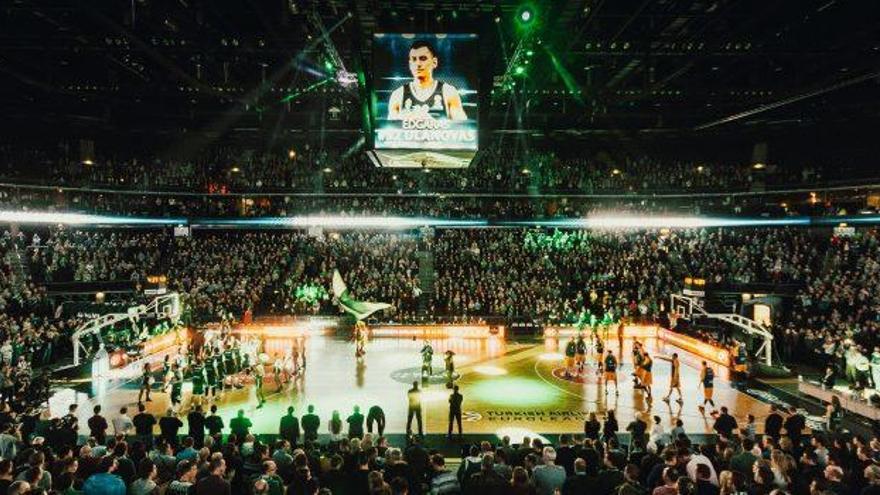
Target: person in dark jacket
(196, 421)
(169, 425)
(310, 423)
(579, 482)
(289, 428)
(98, 426)
(376, 415)
(773, 423)
(356, 423)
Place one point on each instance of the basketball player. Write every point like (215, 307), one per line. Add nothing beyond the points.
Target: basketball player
(176, 386)
(707, 380)
(259, 371)
(146, 383)
(278, 370)
(427, 356)
(360, 338)
(647, 374)
(197, 371)
(425, 98)
(580, 359)
(637, 364)
(610, 366)
(570, 352)
(674, 377)
(450, 366)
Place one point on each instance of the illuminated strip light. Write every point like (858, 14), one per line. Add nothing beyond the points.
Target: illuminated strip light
(629, 331)
(698, 347)
(32, 217)
(342, 222)
(662, 222)
(438, 331)
(870, 219)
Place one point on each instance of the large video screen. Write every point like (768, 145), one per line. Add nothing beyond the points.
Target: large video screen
(425, 99)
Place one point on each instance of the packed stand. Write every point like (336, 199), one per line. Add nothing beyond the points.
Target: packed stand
(213, 455)
(500, 167)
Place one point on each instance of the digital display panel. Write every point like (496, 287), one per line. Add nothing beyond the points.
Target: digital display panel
(425, 99)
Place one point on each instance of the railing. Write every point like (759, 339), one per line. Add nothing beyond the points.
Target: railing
(691, 305)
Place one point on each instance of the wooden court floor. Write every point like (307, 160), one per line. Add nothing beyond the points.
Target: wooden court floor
(515, 388)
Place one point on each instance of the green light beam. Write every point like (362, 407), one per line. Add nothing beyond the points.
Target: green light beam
(567, 78)
(314, 86)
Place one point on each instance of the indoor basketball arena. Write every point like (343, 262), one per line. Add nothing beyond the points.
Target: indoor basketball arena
(523, 247)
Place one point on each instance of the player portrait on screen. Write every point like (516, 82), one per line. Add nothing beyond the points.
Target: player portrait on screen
(425, 97)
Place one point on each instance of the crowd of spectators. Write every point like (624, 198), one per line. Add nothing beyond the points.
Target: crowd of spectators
(541, 275)
(500, 167)
(122, 454)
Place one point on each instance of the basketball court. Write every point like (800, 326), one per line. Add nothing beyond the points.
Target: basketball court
(509, 387)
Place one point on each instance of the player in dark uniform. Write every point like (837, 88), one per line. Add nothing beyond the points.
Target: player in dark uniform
(425, 98)
(197, 373)
(581, 356)
(570, 352)
(229, 361)
(146, 383)
(637, 364)
(610, 374)
(707, 380)
(218, 380)
(450, 368)
(176, 386)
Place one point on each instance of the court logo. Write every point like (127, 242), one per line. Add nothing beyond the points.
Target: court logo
(471, 416)
(587, 376)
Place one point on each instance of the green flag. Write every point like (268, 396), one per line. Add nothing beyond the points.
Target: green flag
(358, 309)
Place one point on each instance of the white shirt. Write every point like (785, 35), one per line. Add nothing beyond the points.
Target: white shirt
(692, 468)
(122, 424)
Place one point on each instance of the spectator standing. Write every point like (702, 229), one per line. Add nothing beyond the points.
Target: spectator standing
(288, 429)
(310, 424)
(122, 424)
(143, 425)
(355, 423)
(169, 426)
(98, 426)
(240, 425)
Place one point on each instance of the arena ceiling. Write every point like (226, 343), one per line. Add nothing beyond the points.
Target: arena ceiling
(598, 66)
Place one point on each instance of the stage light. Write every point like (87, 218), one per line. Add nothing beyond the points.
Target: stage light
(519, 70)
(759, 166)
(235, 170)
(529, 53)
(526, 15)
(329, 66)
(291, 154)
(88, 162)
(328, 170)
